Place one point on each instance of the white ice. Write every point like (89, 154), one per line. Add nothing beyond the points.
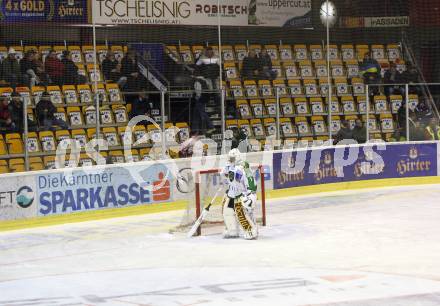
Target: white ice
(370, 247)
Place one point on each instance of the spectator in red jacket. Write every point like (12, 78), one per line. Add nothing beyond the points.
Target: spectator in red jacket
(5, 115)
(54, 68)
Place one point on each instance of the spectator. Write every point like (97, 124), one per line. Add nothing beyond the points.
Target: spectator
(29, 68)
(130, 70)
(397, 136)
(432, 130)
(111, 69)
(393, 76)
(250, 66)
(141, 107)
(209, 69)
(11, 71)
(359, 132)
(265, 66)
(401, 115)
(423, 112)
(417, 131)
(46, 114)
(370, 70)
(343, 133)
(40, 72)
(5, 115)
(16, 110)
(187, 147)
(71, 75)
(201, 99)
(54, 68)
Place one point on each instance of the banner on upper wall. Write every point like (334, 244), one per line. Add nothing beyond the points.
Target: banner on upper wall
(17, 197)
(316, 166)
(63, 11)
(268, 13)
(101, 188)
(374, 22)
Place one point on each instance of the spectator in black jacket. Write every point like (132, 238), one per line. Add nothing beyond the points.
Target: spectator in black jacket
(16, 110)
(250, 66)
(46, 114)
(111, 69)
(130, 70)
(393, 76)
(265, 66)
(359, 132)
(28, 69)
(5, 115)
(71, 75)
(411, 76)
(344, 133)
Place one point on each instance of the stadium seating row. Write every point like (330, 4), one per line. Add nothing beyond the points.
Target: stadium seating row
(298, 52)
(45, 142)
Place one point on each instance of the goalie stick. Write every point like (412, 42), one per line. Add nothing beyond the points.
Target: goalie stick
(203, 215)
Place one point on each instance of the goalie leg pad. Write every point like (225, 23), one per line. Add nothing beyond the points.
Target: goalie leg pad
(231, 225)
(246, 221)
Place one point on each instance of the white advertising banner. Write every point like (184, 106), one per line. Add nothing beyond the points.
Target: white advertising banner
(269, 13)
(17, 197)
(385, 22)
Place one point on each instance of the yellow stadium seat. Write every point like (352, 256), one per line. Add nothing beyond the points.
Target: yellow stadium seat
(358, 87)
(317, 106)
(270, 107)
(89, 114)
(3, 53)
(3, 146)
(342, 88)
(396, 102)
(228, 53)
(184, 131)
(373, 127)
(393, 51)
(244, 125)
(85, 160)
(255, 47)
(49, 162)
(85, 94)
(154, 133)
(311, 88)
(101, 92)
(106, 115)
(295, 88)
(333, 52)
(244, 109)
(94, 73)
(89, 54)
(337, 69)
(301, 52)
(144, 154)
(120, 114)
(197, 51)
(378, 52)
(386, 123)
(257, 108)
(75, 52)
(290, 70)
(102, 52)
(316, 53)
(75, 116)
(287, 128)
(47, 140)
(381, 104)
(19, 52)
(16, 165)
(351, 120)
(111, 136)
(270, 126)
(257, 128)
(279, 86)
(286, 53)
(272, 50)
(334, 106)
(60, 135)
(265, 87)
(319, 125)
(348, 105)
(6, 91)
(118, 51)
(236, 89)
(186, 54)
(361, 50)
(303, 126)
(413, 101)
(80, 136)
(140, 135)
(70, 94)
(55, 94)
(114, 93)
(33, 144)
(278, 70)
(324, 86)
(25, 94)
(59, 50)
(60, 113)
(306, 69)
(251, 89)
(4, 168)
(14, 143)
(44, 51)
(347, 51)
(302, 107)
(240, 52)
(286, 107)
(117, 156)
(231, 71)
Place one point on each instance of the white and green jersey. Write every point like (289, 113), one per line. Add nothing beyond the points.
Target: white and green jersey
(236, 180)
(252, 185)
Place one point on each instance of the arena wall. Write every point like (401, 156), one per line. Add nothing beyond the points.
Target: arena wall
(80, 194)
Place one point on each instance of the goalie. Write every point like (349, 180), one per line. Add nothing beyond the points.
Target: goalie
(240, 198)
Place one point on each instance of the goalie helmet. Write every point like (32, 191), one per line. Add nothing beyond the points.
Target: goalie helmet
(234, 156)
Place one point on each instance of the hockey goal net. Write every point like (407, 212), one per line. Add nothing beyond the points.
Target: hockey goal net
(209, 187)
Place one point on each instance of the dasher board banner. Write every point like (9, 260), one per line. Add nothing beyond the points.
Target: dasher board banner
(268, 13)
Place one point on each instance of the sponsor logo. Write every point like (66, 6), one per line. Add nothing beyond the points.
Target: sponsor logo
(25, 197)
(413, 162)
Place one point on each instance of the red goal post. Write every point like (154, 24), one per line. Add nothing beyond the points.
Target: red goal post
(200, 201)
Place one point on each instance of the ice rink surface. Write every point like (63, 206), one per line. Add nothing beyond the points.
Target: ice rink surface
(354, 248)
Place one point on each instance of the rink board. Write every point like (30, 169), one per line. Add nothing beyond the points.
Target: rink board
(51, 197)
